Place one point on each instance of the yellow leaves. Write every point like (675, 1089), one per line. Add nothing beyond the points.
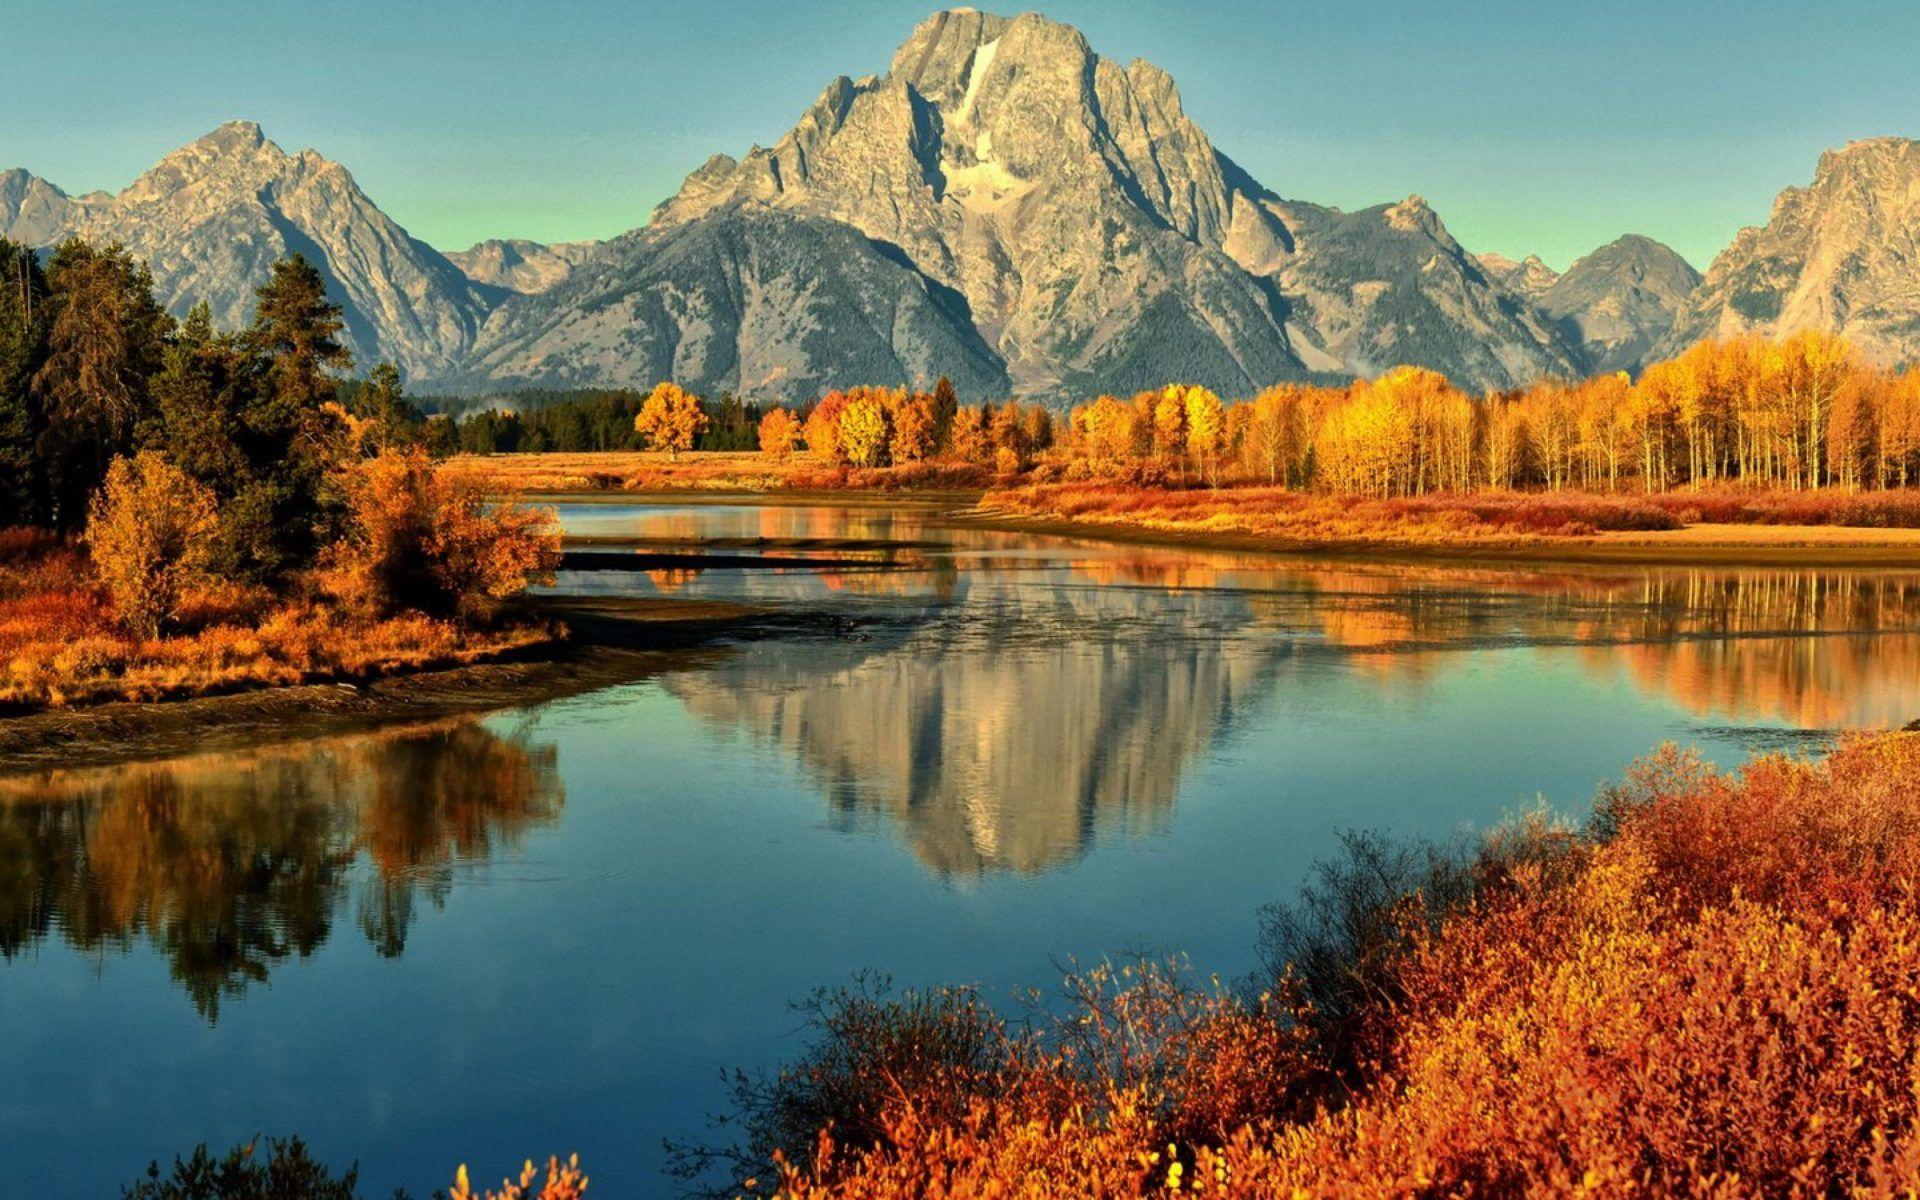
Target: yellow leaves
(671, 419)
(779, 431)
(864, 429)
(562, 1181)
(150, 531)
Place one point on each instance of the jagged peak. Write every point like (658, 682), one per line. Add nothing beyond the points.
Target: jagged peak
(938, 60)
(1866, 155)
(234, 137)
(942, 46)
(235, 148)
(1872, 145)
(1412, 213)
(21, 178)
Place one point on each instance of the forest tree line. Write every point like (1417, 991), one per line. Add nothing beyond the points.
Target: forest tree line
(1800, 412)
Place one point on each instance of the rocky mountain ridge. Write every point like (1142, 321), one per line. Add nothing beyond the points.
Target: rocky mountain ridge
(211, 217)
(1620, 301)
(1007, 207)
(1099, 239)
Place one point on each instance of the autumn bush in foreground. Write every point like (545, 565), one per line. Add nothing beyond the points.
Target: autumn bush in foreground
(1712, 990)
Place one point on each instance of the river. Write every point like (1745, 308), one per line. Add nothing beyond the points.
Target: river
(550, 929)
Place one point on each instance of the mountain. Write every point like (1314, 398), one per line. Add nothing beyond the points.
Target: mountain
(1842, 254)
(1008, 208)
(1529, 277)
(772, 304)
(34, 212)
(1065, 209)
(519, 265)
(1620, 301)
(212, 217)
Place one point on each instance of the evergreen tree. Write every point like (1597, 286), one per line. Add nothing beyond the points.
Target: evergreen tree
(393, 423)
(278, 516)
(23, 329)
(105, 339)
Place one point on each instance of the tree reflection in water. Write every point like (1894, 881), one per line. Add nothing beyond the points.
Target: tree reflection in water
(229, 864)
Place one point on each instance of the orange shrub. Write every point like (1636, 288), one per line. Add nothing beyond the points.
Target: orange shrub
(423, 539)
(61, 642)
(1715, 991)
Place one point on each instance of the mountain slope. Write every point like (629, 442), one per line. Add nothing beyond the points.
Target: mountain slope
(34, 212)
(767, 303)
(1842, 254)
(1621, 301)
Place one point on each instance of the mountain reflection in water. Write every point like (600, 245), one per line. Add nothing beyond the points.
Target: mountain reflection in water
(228, 864)
(1006, 715)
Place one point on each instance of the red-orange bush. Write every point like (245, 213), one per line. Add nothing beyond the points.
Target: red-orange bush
(423, 539)
(1715, 991)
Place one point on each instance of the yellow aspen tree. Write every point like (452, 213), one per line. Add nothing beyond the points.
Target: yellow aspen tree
(779, 430)
(671, 419)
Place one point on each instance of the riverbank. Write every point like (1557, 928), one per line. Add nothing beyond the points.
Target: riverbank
(1520, 528)
(608, 642)
(702, 472)
(1717, 528)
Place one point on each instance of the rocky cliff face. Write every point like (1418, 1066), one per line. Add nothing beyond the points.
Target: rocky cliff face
(1841, 254)
(212, 217)
(35, 213)
(1620, 302)
(1098, 239)
(1529, 277)
(519, 265)
(769, 303)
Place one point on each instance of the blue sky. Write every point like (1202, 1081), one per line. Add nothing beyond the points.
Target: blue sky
(1531, 127)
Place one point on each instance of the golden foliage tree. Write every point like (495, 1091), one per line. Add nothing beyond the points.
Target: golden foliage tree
(671, 419)
(1206, 422)
(779, 430)
(864, 431)
(1169, 422)
(915, 429)
(150, 531)
(970, 441)
(823, 429)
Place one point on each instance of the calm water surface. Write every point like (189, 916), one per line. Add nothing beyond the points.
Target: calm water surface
(549, 929)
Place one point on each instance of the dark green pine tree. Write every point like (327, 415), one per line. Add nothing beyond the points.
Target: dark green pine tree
(106, 336)
(287, 508)
(382, 401)
(23, 332)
